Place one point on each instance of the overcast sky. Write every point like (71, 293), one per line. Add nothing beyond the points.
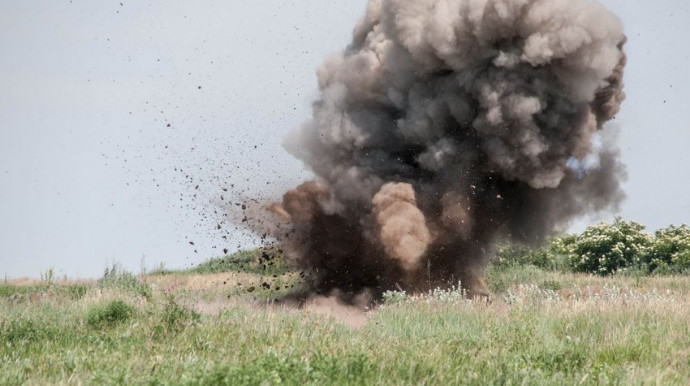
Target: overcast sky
(111, 115)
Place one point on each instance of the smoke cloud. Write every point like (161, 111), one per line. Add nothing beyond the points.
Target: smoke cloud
(446, 126)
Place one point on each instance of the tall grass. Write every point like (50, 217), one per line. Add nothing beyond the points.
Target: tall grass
(118, 278)
(541, 328)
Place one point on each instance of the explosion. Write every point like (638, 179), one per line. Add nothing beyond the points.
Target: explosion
(445, 127)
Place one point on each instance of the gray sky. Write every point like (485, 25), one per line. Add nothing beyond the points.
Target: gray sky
(91, 173)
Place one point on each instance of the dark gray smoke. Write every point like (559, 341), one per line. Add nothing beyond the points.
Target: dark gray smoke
(445, 126)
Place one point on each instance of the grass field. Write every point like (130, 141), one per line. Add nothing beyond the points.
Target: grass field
(208, 328)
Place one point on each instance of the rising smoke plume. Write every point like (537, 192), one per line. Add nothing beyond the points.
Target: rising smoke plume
(445, 126)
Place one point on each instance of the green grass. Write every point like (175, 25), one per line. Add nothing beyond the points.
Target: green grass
(262, 273)
(541, 328)
(17, 293)
(117, 278)
(109, 315)
(268, 260)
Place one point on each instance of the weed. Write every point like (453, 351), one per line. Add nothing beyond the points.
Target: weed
(500, 278)
(117, 278)
(394, 297)
(274, 368)
(553, 285)
(115, 312)
(21, 293)
(176, 318)
(8, 290)
(76, 291)
(48, 277)
(19, 330)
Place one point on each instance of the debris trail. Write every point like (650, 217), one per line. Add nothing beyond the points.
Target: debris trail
(445, 126)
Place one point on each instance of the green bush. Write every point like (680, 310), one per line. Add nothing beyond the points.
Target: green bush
(620, 247)
(669, 251)
(681, 261)
(113, 313)
(606, 249)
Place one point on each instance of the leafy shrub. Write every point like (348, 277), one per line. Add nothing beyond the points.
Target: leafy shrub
(669, 251)
(117, 278)
(113, 313)
(681, 261)
(620, 247)
(605, 249)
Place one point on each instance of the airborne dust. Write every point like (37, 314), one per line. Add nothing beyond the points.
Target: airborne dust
(445, 127)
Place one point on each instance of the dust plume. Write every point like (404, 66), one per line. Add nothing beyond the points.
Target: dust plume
(446, 126)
